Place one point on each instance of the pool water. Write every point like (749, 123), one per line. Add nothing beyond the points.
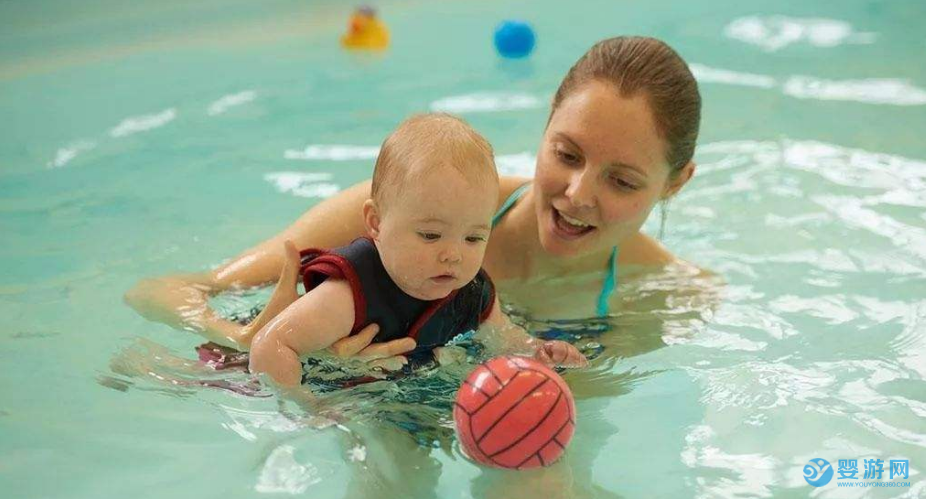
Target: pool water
(147, 139)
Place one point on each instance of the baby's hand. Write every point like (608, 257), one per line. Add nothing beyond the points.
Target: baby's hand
(560, 353)
(446, 356)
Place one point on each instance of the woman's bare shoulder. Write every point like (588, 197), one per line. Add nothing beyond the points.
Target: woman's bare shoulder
(646, 252)
(507, 185)
(642, 250)
(652, 278)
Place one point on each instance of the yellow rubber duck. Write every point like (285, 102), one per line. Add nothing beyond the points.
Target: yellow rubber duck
(365, 31)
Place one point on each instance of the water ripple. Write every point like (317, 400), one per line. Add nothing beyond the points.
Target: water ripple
(707, 74)
(872, 90)
(226, 102)
(69, 152)
(486, 102)
(833, 308)
(904, 237)
(889, 91)
(773, 33)
(332, 153)
(750, 317)
(306, 185)
(744, 475)
(137, 124)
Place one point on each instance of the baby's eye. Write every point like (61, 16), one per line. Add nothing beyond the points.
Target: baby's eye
(429, 236)
(476, 239)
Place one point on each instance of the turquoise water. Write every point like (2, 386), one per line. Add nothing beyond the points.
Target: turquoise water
(140, 140)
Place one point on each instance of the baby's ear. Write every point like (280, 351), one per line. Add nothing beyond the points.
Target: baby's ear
(371, 218)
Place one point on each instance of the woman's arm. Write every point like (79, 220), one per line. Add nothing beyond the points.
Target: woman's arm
(182, 301)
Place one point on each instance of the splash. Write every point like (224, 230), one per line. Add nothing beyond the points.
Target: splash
(283, 474)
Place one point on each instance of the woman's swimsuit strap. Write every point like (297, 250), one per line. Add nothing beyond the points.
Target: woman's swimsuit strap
(610, 281)
(512, 199)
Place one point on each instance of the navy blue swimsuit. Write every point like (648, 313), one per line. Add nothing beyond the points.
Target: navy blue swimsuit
(378, 299)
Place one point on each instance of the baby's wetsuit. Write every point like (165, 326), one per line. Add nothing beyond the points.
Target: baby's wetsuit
(378, 299)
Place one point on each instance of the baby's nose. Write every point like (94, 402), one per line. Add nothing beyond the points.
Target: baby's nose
(450, 254)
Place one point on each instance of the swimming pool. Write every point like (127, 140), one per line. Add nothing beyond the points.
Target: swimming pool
(143, 139)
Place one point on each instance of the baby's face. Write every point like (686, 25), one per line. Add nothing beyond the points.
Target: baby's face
(432, 236)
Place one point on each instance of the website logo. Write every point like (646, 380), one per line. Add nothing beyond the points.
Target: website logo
(873, 472)
(818, 472)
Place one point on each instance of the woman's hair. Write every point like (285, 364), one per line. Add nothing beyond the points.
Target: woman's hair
(640, 65)
(425, 142)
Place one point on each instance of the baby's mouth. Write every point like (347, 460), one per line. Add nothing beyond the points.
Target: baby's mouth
(569, 226)
(444, 278)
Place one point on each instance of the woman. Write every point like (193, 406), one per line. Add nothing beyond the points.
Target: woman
(619, 139)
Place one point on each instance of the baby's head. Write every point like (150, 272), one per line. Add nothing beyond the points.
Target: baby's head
(435, 189)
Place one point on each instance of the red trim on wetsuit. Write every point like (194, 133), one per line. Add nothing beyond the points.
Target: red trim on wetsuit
(428, 313)
(337, 267)
(327, 264)
(488, 310)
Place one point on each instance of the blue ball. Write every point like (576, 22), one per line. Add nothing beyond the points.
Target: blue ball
(514, 39)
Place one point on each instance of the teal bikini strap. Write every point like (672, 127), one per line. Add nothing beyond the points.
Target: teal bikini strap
(512, 199)
(610, 283)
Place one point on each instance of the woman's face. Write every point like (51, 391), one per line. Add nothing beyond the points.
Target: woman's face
(601, 169)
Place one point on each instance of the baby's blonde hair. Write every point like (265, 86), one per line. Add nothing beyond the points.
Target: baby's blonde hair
(425, 142)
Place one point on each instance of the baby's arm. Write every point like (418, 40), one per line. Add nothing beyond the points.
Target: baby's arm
(313, 322)
(500, 335)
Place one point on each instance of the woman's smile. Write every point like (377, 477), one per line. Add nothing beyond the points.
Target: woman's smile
(568, 227)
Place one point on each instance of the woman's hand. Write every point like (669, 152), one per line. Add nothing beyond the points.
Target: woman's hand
(560, 353)
(284, 294)
(182, 301)
(450, 355)
(386, 355)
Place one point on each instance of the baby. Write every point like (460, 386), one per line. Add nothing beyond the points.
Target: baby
(418, 273)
